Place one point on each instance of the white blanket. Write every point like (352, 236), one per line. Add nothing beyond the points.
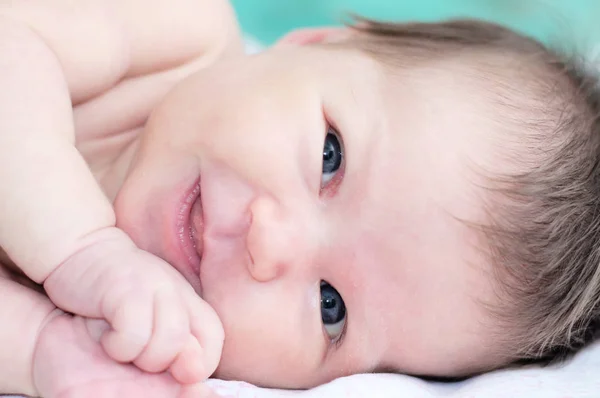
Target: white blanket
(577, 378)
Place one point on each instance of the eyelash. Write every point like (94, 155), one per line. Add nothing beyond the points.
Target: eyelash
(331, 188)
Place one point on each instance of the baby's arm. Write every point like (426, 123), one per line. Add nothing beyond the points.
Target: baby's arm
(57, 224)
(50, 202)
(23, 312)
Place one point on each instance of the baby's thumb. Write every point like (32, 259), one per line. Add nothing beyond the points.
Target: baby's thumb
(208, 330)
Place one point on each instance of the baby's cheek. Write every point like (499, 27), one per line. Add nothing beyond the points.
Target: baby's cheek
(128, 222)
(269, 351)
(241, 360)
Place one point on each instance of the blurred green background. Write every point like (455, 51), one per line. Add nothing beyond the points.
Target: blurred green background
(548, 20)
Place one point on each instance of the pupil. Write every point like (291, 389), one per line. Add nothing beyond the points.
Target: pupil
(333, 309)
(328, 151)
(329, 302)
(332, 154)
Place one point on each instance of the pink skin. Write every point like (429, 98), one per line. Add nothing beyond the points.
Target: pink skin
(266, 231)
(75, 365)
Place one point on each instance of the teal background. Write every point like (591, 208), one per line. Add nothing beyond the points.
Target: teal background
(548, 20)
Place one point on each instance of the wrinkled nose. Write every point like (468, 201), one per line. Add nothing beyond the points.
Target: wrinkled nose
(277, 240)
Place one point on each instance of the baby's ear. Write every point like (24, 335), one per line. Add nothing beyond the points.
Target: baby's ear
(306, 36)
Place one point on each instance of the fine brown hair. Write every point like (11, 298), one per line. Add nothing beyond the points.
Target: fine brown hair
(542, 232)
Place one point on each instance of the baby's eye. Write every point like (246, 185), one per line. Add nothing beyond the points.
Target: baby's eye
(332, 156)
(333, 311)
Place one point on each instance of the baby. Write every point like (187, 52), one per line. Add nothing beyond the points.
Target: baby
(417, 198)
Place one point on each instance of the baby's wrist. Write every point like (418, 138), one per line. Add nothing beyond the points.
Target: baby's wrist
(52, 316)
(72, 279)
(42, 358)
(25, 313)
(31, 388)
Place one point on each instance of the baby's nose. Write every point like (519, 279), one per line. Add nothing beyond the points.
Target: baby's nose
(277, 240)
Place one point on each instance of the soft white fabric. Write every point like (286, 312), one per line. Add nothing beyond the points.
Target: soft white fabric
(577, 378)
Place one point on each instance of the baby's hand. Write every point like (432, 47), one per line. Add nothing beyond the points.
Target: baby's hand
(155, 318)
(69, 363)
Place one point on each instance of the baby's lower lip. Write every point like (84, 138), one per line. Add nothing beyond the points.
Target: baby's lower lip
(197, 226)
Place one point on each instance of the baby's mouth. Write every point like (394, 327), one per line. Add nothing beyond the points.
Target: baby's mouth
(186, 253)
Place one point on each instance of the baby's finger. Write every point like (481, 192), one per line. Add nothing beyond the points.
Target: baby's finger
(190, 365)
(171, 330)
(131, 324)
(208, 330)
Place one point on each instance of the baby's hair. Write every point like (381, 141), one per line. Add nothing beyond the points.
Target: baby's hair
(543, 227)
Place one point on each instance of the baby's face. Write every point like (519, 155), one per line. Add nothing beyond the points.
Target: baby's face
(326, 224)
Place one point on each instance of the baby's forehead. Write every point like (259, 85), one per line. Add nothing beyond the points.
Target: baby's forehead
(442, 138)
(483, 104)
(447, 107)
(437, 134)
